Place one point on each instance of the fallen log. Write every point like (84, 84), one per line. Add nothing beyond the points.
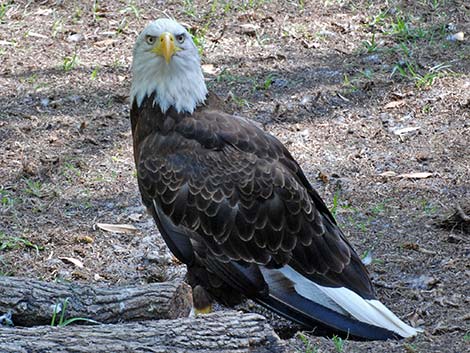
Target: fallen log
(33, 302)
(223, 332)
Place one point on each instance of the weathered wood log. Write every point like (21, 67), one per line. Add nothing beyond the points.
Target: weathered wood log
(222, 332)
(33, 302)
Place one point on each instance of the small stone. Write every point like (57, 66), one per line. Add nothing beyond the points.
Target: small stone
(248, 29)
(451, 27)
(6, 320)
(368, 258)
(422, 157)
(76, 37)
(157, 258)
(459, 36)
(306, 100)
(374, 58)
(75, 99)
(279, 83)
(325, 33)
(135, 217)
(45, 102)
(423, 282)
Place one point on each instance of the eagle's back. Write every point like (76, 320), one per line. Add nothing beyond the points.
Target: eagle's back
(238, 194)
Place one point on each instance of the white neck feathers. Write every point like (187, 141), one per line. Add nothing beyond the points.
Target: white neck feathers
(179, 84)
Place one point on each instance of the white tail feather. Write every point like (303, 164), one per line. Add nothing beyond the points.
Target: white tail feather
(371, 312)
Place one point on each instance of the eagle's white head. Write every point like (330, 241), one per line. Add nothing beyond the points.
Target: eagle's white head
(166, 62)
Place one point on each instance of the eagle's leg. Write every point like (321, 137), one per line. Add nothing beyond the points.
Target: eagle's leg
(207, 288)
(198, 280)
(202, 300)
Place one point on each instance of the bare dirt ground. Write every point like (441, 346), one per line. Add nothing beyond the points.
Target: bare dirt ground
(363, 93)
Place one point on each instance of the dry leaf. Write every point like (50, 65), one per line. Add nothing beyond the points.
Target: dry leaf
(323, 177)
(97, 277)
(388, 174)
(84, 239)
(135, 217)
(79, 275)
(105, 42)
(310, 45)
(5, 42)
(417, 175)
(426, 251)
(73, 261)
(406, 130)
(44, 12)
(117, 228)
(209, 69)
(395, 104)
(411, 246)
(37, 35)
(342, 97)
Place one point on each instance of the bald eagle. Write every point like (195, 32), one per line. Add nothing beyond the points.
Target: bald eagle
(233, 205)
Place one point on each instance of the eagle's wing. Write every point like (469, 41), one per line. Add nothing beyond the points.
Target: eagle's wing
(226, 191)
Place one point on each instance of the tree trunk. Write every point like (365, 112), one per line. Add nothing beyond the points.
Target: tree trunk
(33, 302)
(222, 332)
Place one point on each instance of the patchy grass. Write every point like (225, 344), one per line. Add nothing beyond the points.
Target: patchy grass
(70, 62)
(7, 200)
(12, 243)
(3, 10)
(338, 343)
(371, 45)
(132, 8)
(410, 348)
(34, 188)
(61, 309)
(308, 346)
(266, 83)
(409, 70)
(199, 39)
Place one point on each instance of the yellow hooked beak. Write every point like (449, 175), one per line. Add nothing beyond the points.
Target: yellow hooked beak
(166, 46)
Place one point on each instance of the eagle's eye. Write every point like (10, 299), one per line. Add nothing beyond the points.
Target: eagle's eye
(180, 38)
(150, 39)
